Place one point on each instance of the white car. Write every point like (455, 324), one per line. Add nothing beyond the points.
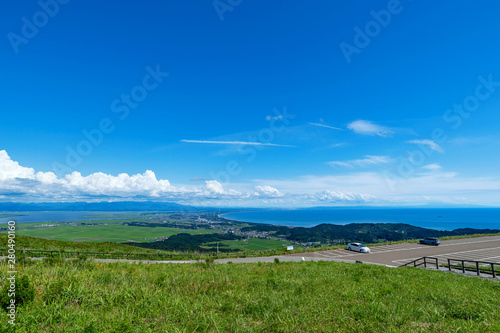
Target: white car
(358, 247)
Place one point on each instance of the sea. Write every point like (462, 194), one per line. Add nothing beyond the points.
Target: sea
(26, 217)
(431, 218)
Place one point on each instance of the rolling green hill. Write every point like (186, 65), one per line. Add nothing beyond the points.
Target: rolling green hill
(364, 232)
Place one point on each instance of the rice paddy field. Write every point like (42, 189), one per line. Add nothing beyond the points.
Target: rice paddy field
(107, 231)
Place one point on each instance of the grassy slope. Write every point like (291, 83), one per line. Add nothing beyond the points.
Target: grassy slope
(285, 297)
(256, 244)
(24, 242)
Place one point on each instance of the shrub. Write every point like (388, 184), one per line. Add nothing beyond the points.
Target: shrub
(22, 259)
(122, 327)
(24, 292)
(54, 291)
(90, 328)
(161, 280)
(276, 261)
(53, 260)
(7, 328)
(82, 257)
(209, 261)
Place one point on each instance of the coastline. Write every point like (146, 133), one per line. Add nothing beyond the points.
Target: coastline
(431, 218)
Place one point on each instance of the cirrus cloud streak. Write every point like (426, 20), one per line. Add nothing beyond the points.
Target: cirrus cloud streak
(241, 143)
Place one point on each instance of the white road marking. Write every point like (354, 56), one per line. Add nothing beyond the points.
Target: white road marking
(342, 253)
(485, 255)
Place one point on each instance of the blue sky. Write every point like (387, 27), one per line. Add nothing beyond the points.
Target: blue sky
(247, 103)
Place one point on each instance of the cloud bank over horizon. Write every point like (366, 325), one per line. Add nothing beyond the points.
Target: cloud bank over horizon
(428, 185)
(19, 183)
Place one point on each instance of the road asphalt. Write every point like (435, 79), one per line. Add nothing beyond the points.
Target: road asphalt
(480, 248)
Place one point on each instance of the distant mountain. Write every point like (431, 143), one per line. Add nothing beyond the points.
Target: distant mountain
(95, 206)
(424, 206)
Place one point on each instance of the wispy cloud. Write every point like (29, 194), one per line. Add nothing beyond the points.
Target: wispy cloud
(431, 187)
(278, 117)
(326, 126)
(197, 179)
(474, 141)
(335, 145)
(368, 160)
(366, 127)
(429, 143)
(433, 166)
(241, 143)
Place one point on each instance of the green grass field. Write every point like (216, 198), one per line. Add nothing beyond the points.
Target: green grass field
(125, 215)
(112, 215)
(30, 243)
(284, 297)
(114, 231)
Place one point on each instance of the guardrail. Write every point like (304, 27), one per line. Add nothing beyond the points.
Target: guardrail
(485, 267)
(44, 253)
(479, 267)
(138, 256)
(425, 261)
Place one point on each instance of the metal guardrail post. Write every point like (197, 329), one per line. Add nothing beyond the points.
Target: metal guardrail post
(425, 262)
(463, 266)
(477, 267)
(493, 270)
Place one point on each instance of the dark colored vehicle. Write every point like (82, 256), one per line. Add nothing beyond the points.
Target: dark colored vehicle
(430, 241)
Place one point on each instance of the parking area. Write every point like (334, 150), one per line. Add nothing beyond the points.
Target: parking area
(481, 249)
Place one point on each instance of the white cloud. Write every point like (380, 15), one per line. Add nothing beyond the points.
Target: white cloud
(431, 144)
(19, 183)
(214, 186)
(368, 160)
(241, 143)
(197, 179)
(433, 166)
(385, 189)
(267, 191)
(15, 178)
(474, 141)
(335, 197)
(278, 117)
(99, 183)
(10, 169)
(335, 145)
(366, 127)
(214, 190)
(326, 126)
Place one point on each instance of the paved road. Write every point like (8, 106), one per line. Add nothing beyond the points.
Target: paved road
(481, 248)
